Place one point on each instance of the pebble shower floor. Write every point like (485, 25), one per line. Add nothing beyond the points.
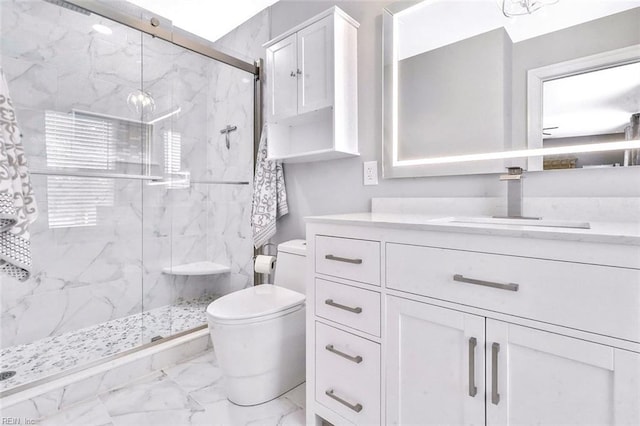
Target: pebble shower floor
(52, 355)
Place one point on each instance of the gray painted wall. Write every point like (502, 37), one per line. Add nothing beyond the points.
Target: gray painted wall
(454, 97)
(336, 186)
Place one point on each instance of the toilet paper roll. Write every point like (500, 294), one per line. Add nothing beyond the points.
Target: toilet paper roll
(265, 264)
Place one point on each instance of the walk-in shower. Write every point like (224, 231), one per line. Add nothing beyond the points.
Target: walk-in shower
(144, 204)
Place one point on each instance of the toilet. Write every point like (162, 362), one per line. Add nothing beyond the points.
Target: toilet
(259, 333)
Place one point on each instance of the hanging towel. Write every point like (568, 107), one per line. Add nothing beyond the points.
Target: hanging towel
(269, 195)
(17, 203)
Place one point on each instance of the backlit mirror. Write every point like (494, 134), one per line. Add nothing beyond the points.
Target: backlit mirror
(469, 90)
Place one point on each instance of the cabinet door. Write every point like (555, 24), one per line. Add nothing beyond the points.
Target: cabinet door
(435, 365)
(536, 377)
(315, 61)
(282, 79)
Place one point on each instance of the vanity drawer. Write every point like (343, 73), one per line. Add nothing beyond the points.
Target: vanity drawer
(357, 260)
(348, 368)
(547, 290)
(351, 306)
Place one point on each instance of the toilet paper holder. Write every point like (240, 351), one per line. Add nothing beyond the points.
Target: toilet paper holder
(261, 250)
(258, 278)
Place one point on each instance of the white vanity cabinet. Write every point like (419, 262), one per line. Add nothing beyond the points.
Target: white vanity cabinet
(474, 328)
(311, 96)
(435, 365)
(437, 357)
(540, 377)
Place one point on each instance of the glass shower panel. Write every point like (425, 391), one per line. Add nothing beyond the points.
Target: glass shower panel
(72, 76)
(230, 168)
(195, 98)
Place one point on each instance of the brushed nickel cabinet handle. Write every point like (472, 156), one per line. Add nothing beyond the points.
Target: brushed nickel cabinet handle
(357, 359)
(495, 396)
(473, 390)
(355, 407)
(343, 259)
(330, 302)
(463, 279)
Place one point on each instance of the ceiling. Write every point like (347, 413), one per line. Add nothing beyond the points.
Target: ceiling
(209, 19)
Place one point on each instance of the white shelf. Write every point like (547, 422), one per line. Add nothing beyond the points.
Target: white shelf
(319, 155)
(197, 268)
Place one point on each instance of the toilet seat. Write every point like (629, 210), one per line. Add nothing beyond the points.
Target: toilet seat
(252, 304)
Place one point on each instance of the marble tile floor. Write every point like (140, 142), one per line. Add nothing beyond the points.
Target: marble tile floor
(189, 393)
(52, 355)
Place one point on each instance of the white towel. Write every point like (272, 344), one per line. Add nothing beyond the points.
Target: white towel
(269, 195)
(17, 203)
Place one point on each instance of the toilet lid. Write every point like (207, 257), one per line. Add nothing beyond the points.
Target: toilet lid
(254, 302)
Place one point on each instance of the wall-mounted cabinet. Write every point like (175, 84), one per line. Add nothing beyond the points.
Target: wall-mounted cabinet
(312, 94)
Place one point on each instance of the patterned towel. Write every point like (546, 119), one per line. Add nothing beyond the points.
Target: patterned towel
(269, 195)
(17, 204)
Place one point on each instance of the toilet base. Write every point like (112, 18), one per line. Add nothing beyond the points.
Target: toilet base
(261, 360)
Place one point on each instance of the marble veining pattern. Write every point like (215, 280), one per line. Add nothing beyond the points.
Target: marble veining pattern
(89, 275)
(51, 355)
(190, 393)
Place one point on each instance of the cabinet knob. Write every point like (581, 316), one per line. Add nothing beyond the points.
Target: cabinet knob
(293, 74)
(298, 71)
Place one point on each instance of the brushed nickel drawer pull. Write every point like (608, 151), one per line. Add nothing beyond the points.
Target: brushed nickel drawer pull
(330, 302)
(463, 279)
(357, 407)
(343, 259)
(495, 396)
(473, 390)
(357, 359)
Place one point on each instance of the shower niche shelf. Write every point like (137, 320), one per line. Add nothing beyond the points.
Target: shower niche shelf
(197, 268)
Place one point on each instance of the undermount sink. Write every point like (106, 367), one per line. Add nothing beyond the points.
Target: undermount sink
(523, 222)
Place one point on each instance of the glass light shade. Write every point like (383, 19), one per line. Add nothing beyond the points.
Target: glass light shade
(141, 102)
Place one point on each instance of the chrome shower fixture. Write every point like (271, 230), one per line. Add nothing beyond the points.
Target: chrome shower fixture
(226, 132)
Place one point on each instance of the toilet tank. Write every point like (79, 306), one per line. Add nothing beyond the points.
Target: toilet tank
(291, 265)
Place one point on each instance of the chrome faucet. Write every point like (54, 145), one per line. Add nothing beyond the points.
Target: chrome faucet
(514, 193)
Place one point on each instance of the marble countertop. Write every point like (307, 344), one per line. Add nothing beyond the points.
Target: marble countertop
(627, 233)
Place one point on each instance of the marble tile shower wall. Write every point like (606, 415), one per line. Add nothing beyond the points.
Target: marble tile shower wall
(86, 275)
